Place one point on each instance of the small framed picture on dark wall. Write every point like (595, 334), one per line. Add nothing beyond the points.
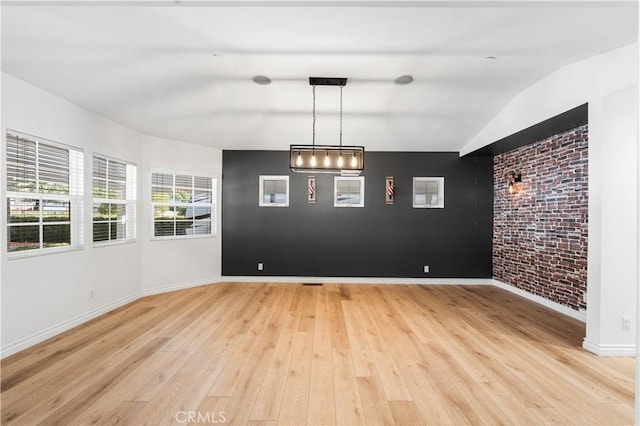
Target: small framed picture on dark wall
(274, 191)
(428, 192)
(348, 191)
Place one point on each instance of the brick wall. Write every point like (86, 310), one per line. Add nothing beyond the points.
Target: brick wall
(540, 234)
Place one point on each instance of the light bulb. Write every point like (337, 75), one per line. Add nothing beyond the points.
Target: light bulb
(511, 188)
(327, 161)
(340, 161)
(313, 160)
(354, 161)
(299, 160)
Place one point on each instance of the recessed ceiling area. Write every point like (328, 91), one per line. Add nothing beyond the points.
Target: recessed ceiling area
(187, 70)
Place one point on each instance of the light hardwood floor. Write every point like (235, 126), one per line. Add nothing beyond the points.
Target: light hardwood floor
(267, 354)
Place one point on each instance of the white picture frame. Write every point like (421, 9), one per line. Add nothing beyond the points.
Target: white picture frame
(428, 192)
(273, 191)
(348, 191)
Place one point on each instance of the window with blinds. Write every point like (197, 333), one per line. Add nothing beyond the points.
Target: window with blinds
(44, 195)
(183, 205)
(348, 191)
(428, 192)
(114, 200)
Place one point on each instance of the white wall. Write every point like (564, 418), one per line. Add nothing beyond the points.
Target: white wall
(44, 295)
(170, 263)
(618, 225)
(609, 83)
(41, 293)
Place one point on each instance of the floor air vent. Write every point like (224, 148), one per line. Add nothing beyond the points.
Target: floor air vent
(311, 283)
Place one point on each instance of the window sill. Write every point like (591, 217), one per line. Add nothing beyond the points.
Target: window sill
(100, 244)
(183, 237)
(14, 255)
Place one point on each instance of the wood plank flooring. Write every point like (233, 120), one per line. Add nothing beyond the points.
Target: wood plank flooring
(269, 354)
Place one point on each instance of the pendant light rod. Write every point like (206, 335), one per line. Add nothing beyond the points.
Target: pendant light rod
(313, 140)
(341, 116)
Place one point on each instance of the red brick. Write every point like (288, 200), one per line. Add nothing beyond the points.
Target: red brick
(540, 234)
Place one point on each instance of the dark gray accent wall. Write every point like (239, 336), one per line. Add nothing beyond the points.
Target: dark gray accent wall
(378, 240)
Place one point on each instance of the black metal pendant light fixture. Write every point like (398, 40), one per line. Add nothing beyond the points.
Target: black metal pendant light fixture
(314, 158)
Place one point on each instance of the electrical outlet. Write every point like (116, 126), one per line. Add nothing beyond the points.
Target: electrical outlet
(426, 269)
(626, 323)
(260, 266)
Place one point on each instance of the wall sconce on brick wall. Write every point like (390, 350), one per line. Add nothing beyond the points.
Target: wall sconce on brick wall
(514, 180)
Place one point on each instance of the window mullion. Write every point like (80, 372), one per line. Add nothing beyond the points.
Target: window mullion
(107, 161)
(193, 201)
(41, 223)
(31, 195)
(106, 185)
(175, 225)
(175, 215)
(109, 221)
(37, 168)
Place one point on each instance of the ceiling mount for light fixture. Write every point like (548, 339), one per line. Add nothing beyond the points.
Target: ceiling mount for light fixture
(326, 158)
(403, 79)
(261, 80)
(327, 81)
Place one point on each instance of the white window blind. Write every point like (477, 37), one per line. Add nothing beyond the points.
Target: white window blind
(44, 195)
(183, 205)
(114, 200)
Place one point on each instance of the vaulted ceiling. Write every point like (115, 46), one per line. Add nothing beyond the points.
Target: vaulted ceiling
(184, 69)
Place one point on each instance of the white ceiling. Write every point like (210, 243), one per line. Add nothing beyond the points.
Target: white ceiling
(183, 71)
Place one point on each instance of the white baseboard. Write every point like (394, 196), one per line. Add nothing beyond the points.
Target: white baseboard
(579, 315)
(180, 286)
(358, 280)
(609, 350)
(41, 336)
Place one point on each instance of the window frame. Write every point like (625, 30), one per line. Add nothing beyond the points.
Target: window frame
(440, 181)
(261, 181)
(129, 201)
(213, 205)
(336, 202)
(74, 198)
